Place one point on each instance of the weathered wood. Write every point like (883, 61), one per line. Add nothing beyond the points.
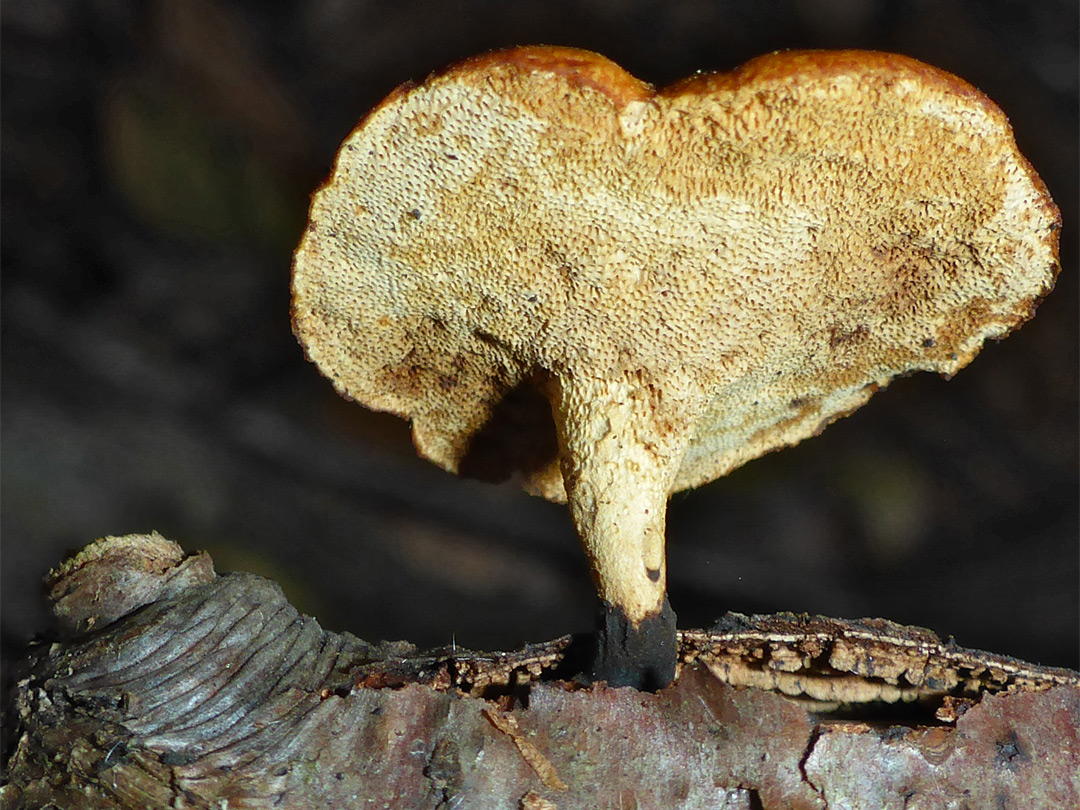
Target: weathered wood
(184, 689)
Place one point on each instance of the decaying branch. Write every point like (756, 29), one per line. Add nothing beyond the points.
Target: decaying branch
(174, 687)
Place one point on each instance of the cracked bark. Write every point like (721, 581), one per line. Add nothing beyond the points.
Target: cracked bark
(171, 686)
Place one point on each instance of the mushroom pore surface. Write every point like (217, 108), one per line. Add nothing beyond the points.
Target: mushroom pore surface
(535, 244)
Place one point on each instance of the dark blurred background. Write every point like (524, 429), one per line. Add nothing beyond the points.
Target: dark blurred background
(157, 160)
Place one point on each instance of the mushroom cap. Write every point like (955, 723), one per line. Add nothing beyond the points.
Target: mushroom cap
(759, 250)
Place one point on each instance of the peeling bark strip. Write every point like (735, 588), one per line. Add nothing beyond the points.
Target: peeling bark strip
(831, 663)
(508, 725)
(218, 691)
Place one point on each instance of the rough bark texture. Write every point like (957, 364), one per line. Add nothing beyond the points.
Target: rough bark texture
(213, 691)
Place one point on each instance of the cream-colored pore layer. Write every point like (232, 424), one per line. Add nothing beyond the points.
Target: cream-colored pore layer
(763, 257)
(560, 243)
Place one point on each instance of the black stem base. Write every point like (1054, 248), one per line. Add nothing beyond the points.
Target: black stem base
(643, 657)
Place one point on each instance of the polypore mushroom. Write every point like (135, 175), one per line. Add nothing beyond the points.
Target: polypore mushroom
(690, 277)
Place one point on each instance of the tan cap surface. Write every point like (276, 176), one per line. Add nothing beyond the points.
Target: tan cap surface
(757, 251)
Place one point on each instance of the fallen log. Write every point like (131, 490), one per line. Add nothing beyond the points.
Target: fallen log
(171, 686)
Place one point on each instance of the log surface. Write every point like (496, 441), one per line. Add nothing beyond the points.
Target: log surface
(213, 691)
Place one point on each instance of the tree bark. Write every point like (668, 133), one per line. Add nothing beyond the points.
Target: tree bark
(170, 686)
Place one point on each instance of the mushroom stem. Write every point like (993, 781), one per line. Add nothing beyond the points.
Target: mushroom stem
(618, 466)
